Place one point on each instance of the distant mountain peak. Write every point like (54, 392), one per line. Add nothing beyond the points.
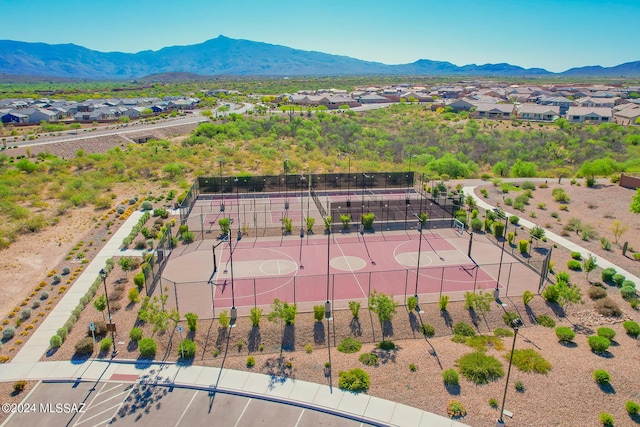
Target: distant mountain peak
(227, 56)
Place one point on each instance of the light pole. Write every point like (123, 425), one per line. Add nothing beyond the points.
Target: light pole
(496, 292)
(221, 189)
(327, 304)
(349, 182)
(302, 181)
(515, 324)
(420, 222)
(237, 183)
(234, 312)
(286, 193)
(103, 274)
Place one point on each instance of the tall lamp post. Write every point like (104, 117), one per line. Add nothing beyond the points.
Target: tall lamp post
(221, 189)
(349, 182)
(103, 274)
(234, 312)
(286, 193)
(515, 324)
(496, 292)
(420, 221)
(327, 304)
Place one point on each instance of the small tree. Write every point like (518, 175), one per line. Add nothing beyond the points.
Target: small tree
(346, 221)
(309, 221)
(327, 223)
(589, 264)
(618, 230)
(126, 264)
(225, 226)
(101, 304)
(354, 307)
(283, 311)
(255, 315)
(384, 306)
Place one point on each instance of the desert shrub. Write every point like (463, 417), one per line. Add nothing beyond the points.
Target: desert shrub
(529, 360)
(427, 330)
(386, 345)
(308, 348)
(574, 265)
(606, 419)
(564, 333)
(251, 362)
(412, 303)
(146, 205)
(224, 319)
(596, 292)
(560, 196)
(576, 255)
(135, 334)
(455, 409)
(632, 407)
(188, 237)
(509, 317)
(546, 321)
(537, 232)
(598, 344)
(65, 271)
(503, 332)
(601, 376)
(607, 307)
(510, 236)
(187, 349)
(138, 280)
(354, 307)
(519, 206)
(528, 185)
(413, 367)
(100, 327)
(527, 296)
(255, 315)
(523, 246)
(318, 312)
(349, 345)
(8, 333)
(551, 293)
(18, 386)
(105, 344)
(354, 380)
(192, 321)
(519, 386)
(498, 229)
(44, 295)
(450, 377)
(36, 304)
(443, 302)
(134, 295)
(476, 225)
(55, 341)
(464, 329)
(479, 368)
(84, 346)
(608, 333)
(368, 359)
(147, 347)
(605, 244)
(632, 328)
(618, 279)
(25, 314)
(607, 274)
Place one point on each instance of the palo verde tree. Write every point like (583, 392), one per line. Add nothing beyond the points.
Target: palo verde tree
(589, 264)
(384, 306)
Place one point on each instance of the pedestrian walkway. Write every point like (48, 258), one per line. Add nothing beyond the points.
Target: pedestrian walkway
(38, 344)
(569, 245)
(356, 406)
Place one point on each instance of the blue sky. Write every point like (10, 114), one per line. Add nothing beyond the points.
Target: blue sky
(552, 34)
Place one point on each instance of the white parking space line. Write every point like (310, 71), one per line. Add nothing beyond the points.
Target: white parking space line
(242, 413)
(112, 388)
(299, 418)
(96, 415)
(108, 399)
(186, 408)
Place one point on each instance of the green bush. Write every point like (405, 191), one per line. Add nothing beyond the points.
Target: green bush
(147, 347)
(479, 368)
(503, 332)
(527, 296)
(251, 362)
(443, 302)
(498, 229)
(607, 274)
(84, 346)
(464, 329)
(354, 307)
(138, 280)
(537, 232)
(523, 246)
(187, 349)
(606, 419)
(62, 333)
(546, 321)
(565, 334)
(255, 315)
(608, 333)
(596, 292)
(574, 265)
(318, 312)
(576, 255)
(618, 279)
(349, 345)
(450, 377)
(55, 341)
(514, 219)
(455, 409)
(608, 307)
(146, 205)
(355, 380)
(135, 334)
(529, 360)
(427, 330)
(386, 345)
(632, 407)
(601, 376)
(412, 303)
(106, 344)
(224, 319)
(632, 328)
(368, 359)
(598, 344)
(551, 293)
(192, 321)
(8, 333)
(476, 225)
(134, 295)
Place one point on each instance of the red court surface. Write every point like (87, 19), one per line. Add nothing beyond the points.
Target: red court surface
(295, 270)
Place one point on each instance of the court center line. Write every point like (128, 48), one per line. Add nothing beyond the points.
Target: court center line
(242, 413)
(186, 408)
(299, 417)
(351, 269)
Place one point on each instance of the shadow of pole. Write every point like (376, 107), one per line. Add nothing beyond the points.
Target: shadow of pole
(433, 351)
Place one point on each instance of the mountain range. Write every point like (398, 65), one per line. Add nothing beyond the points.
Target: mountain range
(233, 57)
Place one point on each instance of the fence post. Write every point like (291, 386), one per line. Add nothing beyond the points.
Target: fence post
(175, 291)
(294, 289)
(255, 301)
(406, 283)
(506, 292)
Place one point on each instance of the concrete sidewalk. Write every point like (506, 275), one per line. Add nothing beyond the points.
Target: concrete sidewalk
(38, 344)
(331, 400)
(602, 262)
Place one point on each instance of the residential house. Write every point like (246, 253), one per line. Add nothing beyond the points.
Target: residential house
(535, 112)
(459, 104)
(627, 116)
(13, 116)
(373, 98)
(560, 101)
(494, 111)
(589, 114)
(37, 115)
(595, 102)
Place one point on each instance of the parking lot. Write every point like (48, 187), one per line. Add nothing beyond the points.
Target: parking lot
(126, 404)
